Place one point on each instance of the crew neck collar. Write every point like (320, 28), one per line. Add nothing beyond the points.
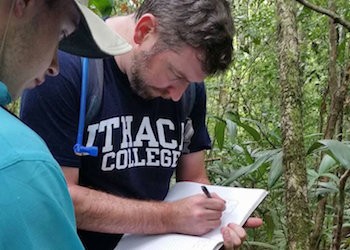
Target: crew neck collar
(5, 97)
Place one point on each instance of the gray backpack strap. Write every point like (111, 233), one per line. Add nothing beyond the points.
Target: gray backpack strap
(94, 89)
(189, 99)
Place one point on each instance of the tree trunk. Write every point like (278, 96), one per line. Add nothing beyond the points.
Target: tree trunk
(297, 211)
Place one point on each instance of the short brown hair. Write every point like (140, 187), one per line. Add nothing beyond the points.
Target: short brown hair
(206, 25)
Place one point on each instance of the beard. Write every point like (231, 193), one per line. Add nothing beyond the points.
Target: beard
(140, 68)
(137, 80)
(138, 84)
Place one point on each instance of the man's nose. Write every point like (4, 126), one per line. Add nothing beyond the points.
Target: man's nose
(176, 93)
(53, 69)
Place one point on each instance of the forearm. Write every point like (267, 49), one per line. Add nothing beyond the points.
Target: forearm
(102, 212)
(191, 167)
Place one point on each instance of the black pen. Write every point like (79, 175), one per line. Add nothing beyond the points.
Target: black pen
(205, 190)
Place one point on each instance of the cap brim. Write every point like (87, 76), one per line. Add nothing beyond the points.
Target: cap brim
(93, 38)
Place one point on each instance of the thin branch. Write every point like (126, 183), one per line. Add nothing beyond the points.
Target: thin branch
(340, 214)
(331, 14)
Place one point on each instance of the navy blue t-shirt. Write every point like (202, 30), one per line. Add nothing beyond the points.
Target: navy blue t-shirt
(139, 141)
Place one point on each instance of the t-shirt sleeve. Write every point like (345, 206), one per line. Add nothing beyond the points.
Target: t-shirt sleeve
(36, 209)
(52, 110)
(200, 139)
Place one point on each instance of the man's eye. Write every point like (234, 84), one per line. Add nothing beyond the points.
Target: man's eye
(63, 35)
(176, 77)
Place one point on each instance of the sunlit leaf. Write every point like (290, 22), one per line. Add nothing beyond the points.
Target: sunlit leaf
(261, 245)
(313, 176)
(253, 132)
(231, 130)
(326, 163)
(339, 151)
(321, 191)
(220, 132)
(248, 169)
(329, 186)
(332, 177)
(248, 156)
(233, 116)
(315, 147)
(270, 225)
(276, 169)
(105, 7)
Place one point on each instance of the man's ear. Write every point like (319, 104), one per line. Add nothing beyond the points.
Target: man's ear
(20, 7)
(145, 26)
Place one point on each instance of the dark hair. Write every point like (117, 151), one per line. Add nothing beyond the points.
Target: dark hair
(51, 3)
(206, 25)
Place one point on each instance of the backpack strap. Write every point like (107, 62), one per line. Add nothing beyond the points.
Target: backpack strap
(188, 101)
(189, 98)
(95, 88)
(90, 100)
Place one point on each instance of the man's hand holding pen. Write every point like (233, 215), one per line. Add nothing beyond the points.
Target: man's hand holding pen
(206, 192)
(197, 215)
(201, 213)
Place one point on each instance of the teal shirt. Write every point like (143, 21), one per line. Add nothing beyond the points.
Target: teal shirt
(36, 211)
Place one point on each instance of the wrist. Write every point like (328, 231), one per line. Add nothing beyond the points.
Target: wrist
(168, 217)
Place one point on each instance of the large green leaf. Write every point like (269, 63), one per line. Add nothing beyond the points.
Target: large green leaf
(313, 176)
(326, 188)
(276, 169)
(261, 159)
(220, 126)
(332, 177)
(260, 245)
(248, 155)
(270, 225)
(231, 130)
(315, 147)
(326, 164)
(250, 130)
(339, 151)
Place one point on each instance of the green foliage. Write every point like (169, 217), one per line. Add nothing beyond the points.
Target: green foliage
(244, 112)
(107, 8)
(13, 107)
(103, 7)
(339, 151)
(244, 115)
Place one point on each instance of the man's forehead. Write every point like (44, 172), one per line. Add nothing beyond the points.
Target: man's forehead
(75, 16)
(69, 10)
(187, 62)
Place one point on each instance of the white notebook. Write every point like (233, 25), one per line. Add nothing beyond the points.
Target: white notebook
(240, 203)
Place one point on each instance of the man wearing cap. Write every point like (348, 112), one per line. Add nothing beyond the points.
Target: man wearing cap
(36, 211)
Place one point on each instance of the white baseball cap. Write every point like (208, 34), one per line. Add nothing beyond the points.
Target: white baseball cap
(93, 38)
